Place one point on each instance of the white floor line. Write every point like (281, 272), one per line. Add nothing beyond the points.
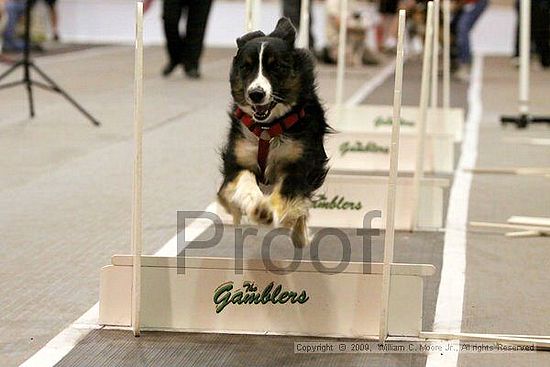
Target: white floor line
(66, 340)
(370, 85)
(448, 312)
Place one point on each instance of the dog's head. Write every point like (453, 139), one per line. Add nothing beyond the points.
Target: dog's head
(266, 72)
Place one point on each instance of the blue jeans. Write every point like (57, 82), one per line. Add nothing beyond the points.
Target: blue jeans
(468, 18)
(15, 10)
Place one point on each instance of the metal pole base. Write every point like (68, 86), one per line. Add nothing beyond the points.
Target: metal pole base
(524, 120)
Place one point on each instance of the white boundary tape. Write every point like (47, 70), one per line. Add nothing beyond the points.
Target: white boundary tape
(450, 299)
(66, 340)
(370, 85)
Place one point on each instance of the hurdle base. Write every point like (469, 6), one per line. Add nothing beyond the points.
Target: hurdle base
(522, 121)
(344, 304)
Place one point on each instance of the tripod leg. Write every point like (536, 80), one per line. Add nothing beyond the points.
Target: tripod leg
(28, 84)
(58, 89)
(12, 68)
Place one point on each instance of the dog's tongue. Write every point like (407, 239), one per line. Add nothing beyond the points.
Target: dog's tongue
(262, 109)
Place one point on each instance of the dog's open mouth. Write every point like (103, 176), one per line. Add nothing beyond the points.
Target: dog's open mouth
(262, 112)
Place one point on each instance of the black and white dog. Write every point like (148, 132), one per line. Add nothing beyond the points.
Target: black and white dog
(276, 135)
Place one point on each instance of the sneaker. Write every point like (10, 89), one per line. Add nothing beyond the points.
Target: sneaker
(369, 58)
(462, 74)
(169, 68)
(193, 73)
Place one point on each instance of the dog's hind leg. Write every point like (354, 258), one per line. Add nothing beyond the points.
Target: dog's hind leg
(300, 233)
(291, 213)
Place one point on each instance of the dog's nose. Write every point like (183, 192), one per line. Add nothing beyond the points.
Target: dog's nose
(256, 95)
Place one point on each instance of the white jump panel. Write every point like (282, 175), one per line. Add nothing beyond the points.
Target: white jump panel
(344, 200)
(363, 139)
(346, 304)
(378, 117)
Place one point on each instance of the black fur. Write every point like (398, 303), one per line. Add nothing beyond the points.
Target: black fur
(290, 72)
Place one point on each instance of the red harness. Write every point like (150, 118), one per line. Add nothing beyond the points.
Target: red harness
(266, 132)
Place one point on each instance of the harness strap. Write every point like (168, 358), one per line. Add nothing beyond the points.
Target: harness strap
(266, 132)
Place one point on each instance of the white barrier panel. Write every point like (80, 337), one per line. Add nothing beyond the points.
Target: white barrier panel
(363, 138)
(378, 118)
(344, 200)
(365, 151)
(302, 302)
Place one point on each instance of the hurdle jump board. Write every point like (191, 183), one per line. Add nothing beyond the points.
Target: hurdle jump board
(344, 200)
(345, 304)
(379, 117)
(359, 146)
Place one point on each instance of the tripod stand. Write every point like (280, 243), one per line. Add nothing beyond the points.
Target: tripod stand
(27, 64)
(524, 118)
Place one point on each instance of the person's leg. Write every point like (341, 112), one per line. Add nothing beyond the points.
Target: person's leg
(53, 18)
(171, 15)
(516, 40)
(468, 19)
(540, 29)
(15, 10)
(388, 10)
(292, 9)
(197, 18)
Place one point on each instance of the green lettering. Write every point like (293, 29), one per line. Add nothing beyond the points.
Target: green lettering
(222, 296)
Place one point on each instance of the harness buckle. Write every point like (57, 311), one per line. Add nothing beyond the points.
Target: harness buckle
(265, 135)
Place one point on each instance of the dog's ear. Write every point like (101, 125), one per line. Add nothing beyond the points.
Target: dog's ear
(285, 30)
(249, 36)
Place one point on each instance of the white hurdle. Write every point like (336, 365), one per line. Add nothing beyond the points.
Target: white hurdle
(252, 11)
(422, 115)
(137, 208)
(392, 181)
(341, 63)
(303, 34)
(387, 301)
(435, 55)
(446, 56)
(525, 56)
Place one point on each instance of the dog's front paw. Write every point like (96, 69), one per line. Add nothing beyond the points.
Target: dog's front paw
(262, 213)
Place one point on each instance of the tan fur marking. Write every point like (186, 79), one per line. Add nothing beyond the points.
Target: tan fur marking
(291, 214)
(287, 212)
(246, 152)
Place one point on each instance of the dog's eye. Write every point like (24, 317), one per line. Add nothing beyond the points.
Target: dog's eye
(247, 64)
(271, 62)
(279, 67)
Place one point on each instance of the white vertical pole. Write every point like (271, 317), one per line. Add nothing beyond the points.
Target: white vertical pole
(137, 217)
(341, 67)
(525, 49)
(303, 34)
(392, 181)
(435, 55)
(249, 22)
(446, 56)
(422, 116)
(257, 14)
